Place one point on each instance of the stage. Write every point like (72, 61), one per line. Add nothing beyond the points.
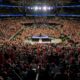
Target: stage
(43, 39)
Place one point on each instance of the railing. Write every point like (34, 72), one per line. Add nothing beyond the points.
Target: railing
(13, 6)
(40, 15)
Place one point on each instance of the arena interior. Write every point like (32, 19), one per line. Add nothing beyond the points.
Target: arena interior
(39, 39)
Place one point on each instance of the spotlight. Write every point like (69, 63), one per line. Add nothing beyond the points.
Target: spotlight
(36, 8)
(39, 8)
(49, 8)
(31, 8)
(44, 8)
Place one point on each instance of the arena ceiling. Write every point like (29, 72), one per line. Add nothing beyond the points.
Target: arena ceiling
(19, 2)
(19, 10)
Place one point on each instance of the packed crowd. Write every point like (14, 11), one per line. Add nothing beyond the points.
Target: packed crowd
(8, 28)
(39, 62)
(30, 31)
(70, 28)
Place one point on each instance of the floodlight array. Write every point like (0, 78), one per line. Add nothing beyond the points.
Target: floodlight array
(41, 8)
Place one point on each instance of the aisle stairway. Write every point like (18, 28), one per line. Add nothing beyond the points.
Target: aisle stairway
(13, 36)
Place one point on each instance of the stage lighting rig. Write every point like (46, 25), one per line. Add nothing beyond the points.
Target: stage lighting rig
(45, 8)
(36, 8)
(42, 8)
